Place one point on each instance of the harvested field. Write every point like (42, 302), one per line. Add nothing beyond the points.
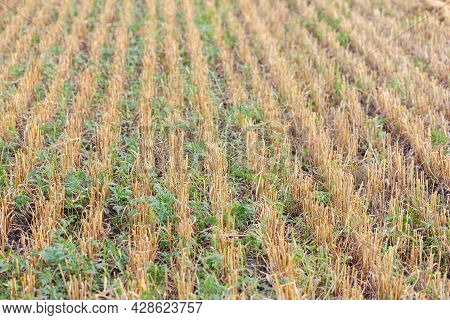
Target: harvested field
(236, 149)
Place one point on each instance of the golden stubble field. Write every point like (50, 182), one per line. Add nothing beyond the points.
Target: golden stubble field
(205, 149)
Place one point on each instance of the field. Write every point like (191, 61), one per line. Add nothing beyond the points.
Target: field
(236, 149)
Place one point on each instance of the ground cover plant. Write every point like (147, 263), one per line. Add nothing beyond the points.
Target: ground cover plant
(233, 149)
